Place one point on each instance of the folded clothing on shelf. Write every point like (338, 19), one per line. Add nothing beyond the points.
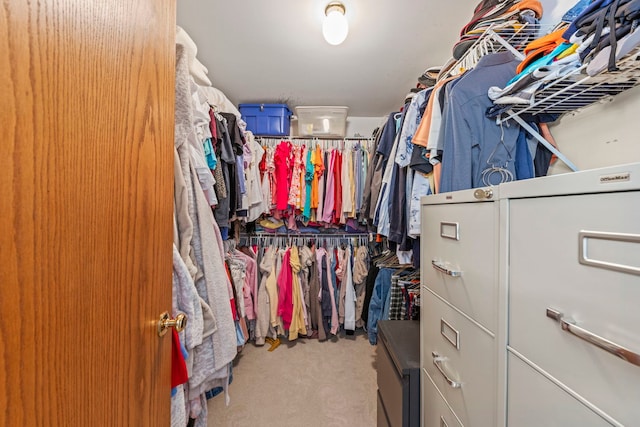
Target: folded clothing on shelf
(515, 21)
(624, 46)
(600, 25)
(602, 33)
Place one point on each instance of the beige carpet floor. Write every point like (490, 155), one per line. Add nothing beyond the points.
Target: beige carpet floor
(305, 383)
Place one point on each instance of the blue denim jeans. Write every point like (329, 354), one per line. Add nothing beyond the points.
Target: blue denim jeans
(379, 299)
(576, 10)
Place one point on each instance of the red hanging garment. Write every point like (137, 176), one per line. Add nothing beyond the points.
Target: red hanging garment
(282, 162)
(337, 171)
(179, 374)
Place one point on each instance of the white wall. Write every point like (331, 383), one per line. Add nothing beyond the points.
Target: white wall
(553, 10)
(600, 135)
(363, 126)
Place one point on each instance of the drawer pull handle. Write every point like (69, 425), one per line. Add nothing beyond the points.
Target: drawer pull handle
(446, 329)
(441, 268)
(583, 255)
(603, 343)
(450, 230)
(437, 360)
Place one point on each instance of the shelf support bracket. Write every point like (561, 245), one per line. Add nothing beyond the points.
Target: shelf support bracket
(544, 142)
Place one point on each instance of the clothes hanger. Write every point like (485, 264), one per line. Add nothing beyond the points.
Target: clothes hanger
(411, 277)
(495, 171)
(378, 256)
(398, 272)
(390, 261)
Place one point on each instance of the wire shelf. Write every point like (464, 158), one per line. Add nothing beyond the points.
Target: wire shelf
(577, 90)
(494, 40)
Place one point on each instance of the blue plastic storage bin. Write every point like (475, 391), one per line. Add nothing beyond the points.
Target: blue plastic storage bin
(266, 119)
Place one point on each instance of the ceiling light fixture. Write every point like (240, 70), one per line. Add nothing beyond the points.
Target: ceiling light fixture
(335, 26)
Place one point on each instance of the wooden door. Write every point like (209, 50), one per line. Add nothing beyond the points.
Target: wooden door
(86, 181)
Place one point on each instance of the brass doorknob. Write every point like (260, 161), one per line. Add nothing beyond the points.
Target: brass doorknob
(167, 322)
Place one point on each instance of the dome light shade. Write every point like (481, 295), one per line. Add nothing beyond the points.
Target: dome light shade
(335, 26)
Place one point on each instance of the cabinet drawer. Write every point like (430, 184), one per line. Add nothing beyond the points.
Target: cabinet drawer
(461, 238)
(600, 296)
(435, 412)
(390, 387)
(464, 354)
(535, 401)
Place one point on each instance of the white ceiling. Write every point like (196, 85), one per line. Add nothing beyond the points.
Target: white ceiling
(273, 51)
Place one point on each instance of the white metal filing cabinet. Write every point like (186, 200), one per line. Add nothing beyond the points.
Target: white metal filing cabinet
(459, 316)
(566, 285)
(574, 289)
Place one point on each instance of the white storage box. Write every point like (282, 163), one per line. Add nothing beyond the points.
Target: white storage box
(322, 121)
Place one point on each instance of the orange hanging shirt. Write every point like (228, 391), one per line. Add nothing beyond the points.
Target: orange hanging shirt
(421, 137)
(314, 182)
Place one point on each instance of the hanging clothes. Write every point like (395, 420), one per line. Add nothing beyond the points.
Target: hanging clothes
(325, 185)
(338, 187)
(236, 143)
(306, 255)
(285, 291)
(360, 273)
(226, 192)
(369, 192)
(301, 178)
(269, 179)
(200, 248)
(470, 151)
(297, 325)
(350, 297)
(316, 165)
(321, 171)
(383, 153)
(316, 287)
(272, 291)
(378, 303)
(309, 178)
(324, 295)
(327, 295)
(267, 265)
(347, 180)
(315, 298)
(329, 203)
(294, 191)
(282, 163)
(340, 271)
(256, 194)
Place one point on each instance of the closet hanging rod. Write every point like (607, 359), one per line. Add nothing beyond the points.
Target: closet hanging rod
(306, 235)
(315, 138)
